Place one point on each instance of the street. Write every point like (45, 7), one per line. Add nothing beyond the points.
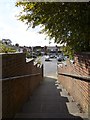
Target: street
(50, 67)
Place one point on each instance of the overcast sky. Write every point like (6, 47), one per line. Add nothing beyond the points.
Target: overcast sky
(16, 31)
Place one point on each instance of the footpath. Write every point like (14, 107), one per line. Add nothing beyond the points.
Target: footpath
(51, 100)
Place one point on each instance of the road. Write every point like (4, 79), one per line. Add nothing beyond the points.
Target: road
(50, 67)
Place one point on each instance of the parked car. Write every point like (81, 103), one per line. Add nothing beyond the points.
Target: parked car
(56, 56)
(42, 53)
(47, 58)
(34, 56)
(52, 56)
(60, 58)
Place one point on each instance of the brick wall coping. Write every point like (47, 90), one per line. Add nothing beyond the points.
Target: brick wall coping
(2, 53)
(83, 78)
(20, 76)
(10, 53)
(29, 60)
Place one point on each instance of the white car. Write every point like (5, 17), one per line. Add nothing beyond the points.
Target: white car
(47, 58)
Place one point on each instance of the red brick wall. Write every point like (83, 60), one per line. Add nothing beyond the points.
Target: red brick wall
(16, 91)
(13, 64)
(77, 88)
(0, 86)
(82, 64)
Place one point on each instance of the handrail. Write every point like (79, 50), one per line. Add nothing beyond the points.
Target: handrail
(83, 78)
(20, 76)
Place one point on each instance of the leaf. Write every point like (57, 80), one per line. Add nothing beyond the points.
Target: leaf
(66, 23)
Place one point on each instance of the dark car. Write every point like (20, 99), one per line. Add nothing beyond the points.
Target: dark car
(52, 56)
(34, 56)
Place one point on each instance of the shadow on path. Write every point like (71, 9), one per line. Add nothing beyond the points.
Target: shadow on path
(46, 102)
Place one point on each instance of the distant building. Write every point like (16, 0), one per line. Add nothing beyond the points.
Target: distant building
(54, 49)
(51, 48)
(37, 48)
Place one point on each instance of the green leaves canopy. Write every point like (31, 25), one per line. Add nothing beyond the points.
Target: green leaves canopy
(67, 23)
(6, 48)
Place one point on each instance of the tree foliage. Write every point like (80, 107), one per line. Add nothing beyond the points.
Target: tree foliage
(67, 23)
(7, 41)
(5, 48)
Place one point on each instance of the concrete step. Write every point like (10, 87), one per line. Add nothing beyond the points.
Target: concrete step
(64, 93)
(73, 106)
(57, 82)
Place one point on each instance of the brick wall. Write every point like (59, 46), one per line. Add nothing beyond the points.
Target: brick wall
(13, 64)
(0, 86)
(17, 90)
(80, 90)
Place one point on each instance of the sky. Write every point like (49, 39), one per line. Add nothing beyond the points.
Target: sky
(15, 30)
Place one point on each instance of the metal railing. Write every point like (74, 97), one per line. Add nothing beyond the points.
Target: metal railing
(83, 78)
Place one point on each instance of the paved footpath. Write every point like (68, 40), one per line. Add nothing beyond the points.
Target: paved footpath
(49, 101)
